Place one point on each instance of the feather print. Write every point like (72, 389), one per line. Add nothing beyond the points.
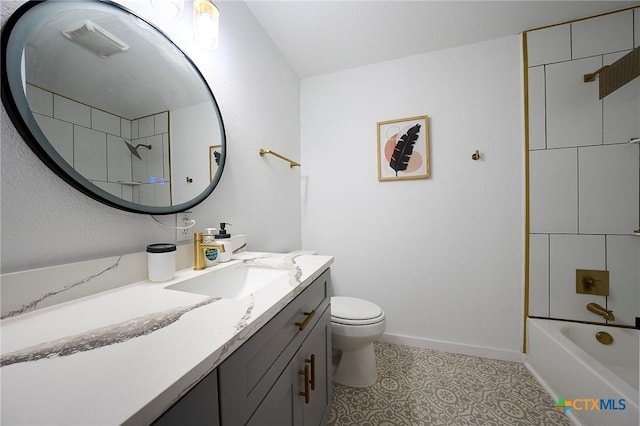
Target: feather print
(404, 148)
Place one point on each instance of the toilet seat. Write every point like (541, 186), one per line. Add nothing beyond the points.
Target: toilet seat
(353, 311)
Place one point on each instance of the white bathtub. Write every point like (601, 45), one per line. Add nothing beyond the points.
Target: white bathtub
(571, 364)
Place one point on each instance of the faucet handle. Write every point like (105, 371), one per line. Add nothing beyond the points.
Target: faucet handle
(589, 282)
(592, 282)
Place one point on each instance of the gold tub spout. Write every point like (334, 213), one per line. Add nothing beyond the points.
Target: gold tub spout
(198, 250)
(599, 310)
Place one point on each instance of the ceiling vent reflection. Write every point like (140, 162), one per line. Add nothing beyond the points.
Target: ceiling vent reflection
(96, 39)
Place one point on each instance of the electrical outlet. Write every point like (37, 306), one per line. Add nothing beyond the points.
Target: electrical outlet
(183, 230)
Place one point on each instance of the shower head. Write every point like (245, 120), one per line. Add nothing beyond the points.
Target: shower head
(134, 150)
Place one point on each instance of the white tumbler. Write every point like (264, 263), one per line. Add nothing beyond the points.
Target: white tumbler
(161, 261)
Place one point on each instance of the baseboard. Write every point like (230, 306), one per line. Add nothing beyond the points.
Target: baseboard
(458, 348)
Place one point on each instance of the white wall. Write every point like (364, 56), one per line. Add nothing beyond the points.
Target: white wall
(199, 138)
(46, 222)
(442, 256)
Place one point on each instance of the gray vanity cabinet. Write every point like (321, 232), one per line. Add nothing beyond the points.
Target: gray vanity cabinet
(280, 376)
(317, 347)
(198, 407)
(287, 403)
(263, 382)
(280, 406)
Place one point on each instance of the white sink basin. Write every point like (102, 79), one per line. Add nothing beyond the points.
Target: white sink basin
(233, 282)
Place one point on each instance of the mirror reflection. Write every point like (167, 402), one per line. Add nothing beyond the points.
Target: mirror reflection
(114, 104)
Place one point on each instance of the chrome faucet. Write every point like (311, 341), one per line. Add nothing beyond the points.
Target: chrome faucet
(199, 247)
(599, 310)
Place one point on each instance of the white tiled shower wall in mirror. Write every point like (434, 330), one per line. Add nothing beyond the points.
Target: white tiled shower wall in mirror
(92, 142)
(584, 176)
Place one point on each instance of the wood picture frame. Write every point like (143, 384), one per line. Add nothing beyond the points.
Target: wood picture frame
(403, 149)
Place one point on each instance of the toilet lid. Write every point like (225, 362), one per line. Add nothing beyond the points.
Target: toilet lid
(354, 311)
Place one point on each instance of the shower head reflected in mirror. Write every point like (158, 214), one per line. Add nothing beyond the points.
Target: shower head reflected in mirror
(134, 150)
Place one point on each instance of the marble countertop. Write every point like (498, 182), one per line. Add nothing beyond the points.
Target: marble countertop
(126, 355)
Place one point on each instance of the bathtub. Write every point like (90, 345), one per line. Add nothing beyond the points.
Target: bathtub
(571, 364)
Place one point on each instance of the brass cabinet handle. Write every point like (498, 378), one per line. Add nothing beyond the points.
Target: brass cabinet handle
(307, 392)
(303, 324)
(312, 361)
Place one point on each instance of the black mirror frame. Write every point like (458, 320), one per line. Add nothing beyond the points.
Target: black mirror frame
(22, 118)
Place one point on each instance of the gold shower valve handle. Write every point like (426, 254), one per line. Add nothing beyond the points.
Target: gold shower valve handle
(589, 282)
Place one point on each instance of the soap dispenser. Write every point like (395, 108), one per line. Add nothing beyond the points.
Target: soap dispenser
(224, 238)
(211, 255)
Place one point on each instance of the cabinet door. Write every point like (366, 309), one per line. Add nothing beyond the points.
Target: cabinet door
(315, 353)
(247, 376)
(284, 405)
(198, 407)
(281, 406)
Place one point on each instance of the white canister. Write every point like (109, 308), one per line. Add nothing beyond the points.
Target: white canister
(161, 261)
(225, 256)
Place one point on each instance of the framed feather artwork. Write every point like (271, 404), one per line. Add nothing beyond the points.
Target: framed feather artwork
(403, 149)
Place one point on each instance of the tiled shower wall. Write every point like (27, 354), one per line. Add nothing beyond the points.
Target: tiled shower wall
(152, 130)
(92, 142)
(584, 177)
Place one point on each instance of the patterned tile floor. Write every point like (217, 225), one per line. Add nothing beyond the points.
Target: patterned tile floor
(426, 387)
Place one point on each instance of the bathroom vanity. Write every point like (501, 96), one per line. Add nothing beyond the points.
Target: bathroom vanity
(280, 376)
(177, 353)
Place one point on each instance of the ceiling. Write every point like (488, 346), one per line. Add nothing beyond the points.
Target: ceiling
(324, 36)
(126, 83)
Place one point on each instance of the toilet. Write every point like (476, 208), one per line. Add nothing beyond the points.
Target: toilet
(355, 325)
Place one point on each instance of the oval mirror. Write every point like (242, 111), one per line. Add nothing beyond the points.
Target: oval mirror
(111, 105)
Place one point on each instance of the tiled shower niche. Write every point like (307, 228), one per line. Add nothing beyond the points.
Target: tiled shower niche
(92, 142)
(584, 175)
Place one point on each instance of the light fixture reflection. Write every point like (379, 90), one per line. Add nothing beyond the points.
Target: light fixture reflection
(169, 9)
(206, 17)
